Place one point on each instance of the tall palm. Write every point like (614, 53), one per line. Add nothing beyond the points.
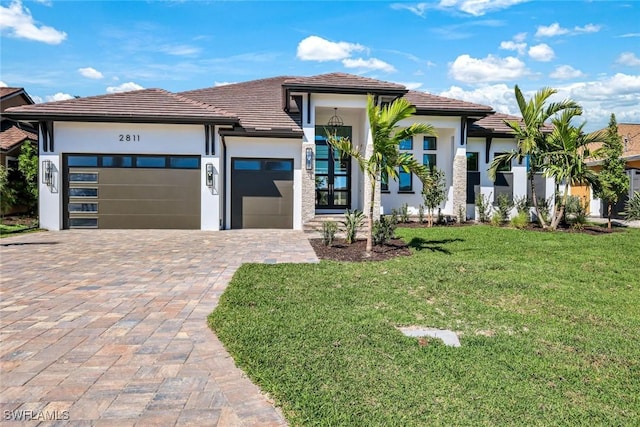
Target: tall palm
(385, 157)
(567, 150)
(530, 136)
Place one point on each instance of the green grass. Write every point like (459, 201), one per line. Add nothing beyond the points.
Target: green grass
(549, 325)
(7, 230)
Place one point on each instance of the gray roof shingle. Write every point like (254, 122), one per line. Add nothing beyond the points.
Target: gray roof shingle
(344, 81)
(428, 103)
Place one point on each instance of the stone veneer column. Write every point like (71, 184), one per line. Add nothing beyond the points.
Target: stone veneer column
(460, 182)
(308, 185)
(367, 190)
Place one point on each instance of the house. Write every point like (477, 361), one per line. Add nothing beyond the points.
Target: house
(630, 135)
(13, 133)
(246, 155)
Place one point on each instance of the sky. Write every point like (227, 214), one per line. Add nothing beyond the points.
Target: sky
(473, 50)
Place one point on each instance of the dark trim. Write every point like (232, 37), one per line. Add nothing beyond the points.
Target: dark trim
(463, 130)
(487, 148)
(262, 133)
(466, 113)
(489, 134)
(308, 108)
(206, 139)
(42, 130)
(223, 185)
(51, 133)
(88, 118)
(344, 90)
(212, 133)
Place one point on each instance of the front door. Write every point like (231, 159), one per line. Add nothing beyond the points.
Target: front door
(333, 172)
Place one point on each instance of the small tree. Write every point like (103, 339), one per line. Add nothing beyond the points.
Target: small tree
(385, 156)
(612, 180)
(7, 193)
(28, 167)
(434, 192)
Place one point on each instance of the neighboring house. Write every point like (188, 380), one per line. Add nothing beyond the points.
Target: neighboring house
(13, 133)
(630, 135)
(245, 155)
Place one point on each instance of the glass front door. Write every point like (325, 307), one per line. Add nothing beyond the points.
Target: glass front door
(333, 172)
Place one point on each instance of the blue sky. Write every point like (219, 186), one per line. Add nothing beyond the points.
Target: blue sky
(475, 50)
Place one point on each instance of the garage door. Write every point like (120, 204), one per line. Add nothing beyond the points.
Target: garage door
(261, 193)
(132, 191)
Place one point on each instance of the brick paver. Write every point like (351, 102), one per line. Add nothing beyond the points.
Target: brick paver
(108, 327)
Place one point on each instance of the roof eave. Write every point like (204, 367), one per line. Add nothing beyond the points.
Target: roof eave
(119, 118)
(343, 90)
(465, 113)
(252, 133)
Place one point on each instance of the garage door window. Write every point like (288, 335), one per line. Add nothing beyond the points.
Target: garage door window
(83, 222)
(87, 161)
(151, 162)
(83, 192)
(83, 207)
(117, 161)
(83, 177)
(247, 165)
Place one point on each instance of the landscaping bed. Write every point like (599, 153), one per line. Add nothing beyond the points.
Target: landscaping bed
(356, 251)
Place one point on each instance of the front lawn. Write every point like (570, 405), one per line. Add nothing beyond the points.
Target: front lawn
(549, 325)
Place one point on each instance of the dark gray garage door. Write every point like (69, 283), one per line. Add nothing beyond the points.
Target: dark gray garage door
(261, 193)
(132, 191)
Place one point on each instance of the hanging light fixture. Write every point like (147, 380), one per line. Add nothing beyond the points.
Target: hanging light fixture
(335, 121)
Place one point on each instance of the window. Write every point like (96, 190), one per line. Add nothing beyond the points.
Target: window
(406, 144)
(184, 162)
(83, 222)
(83, 177)
(405, 183)
(83, 192)
(429, 160)
(87, 161)
(472, 162)
(429, 143)
(117, 161)
(151, 162)
(278, 165)
(505, 166)
(247, 165)
(83, 207)
(384, 181)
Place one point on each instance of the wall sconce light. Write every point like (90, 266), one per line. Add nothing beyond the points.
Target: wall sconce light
(309, 159)
(211, 183)
(47, 172)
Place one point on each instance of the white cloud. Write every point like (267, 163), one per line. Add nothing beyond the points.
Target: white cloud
(520, 37)
(315, 48)
(59, 97)
(16, 21)
(411, 85)
(37, 99)
(551, 31)
(124, 87)
(90, 73)
(3, 84)
(499, 96)
(628, 58)
(478, 7)
(370, 64)
(565, 72)
(627, 35)
(180, 50)
(490, 69)
(541, 52)
(512, 45)
(589, 28)
(217, 83)
(418, 9)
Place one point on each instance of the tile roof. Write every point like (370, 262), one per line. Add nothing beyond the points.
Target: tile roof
(6, 91)
(345, 81)
(13, 136)
(630, 135)
(154, 105)
(257, 103)
(494, 124)
(426, 102)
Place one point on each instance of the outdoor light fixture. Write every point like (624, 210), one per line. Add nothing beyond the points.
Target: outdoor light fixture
(309, 159)
(47, 172)
(210, 176)
(335, 121)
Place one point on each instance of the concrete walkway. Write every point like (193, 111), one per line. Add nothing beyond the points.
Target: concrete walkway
(109, 328)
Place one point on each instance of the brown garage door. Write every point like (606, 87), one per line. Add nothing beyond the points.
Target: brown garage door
(132, 191)
(261, 193)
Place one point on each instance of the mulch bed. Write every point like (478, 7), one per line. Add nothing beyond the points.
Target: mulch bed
(340, 251)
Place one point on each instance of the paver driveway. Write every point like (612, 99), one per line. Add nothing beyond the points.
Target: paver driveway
(108, 327)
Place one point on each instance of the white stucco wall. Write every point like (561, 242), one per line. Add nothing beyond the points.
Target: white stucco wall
(280, 148)
(104, 138)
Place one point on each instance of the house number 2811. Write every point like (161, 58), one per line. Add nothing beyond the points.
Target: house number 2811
(129, 137)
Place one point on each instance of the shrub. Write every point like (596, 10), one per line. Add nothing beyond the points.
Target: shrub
(329, 229)
(522, 204)
(462, 214)
(394, 216)
(496, 219)
(544, 208)
(383, 230)
(483, 203)
(404, 213)
(574, 211)
(521, 220)
(421, 214)
(352, 220)
(7, 193)
(632, 207)
(505, 204)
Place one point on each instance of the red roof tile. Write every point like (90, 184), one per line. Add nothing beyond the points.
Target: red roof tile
(6, 91)
(495, 124)
(154, 105)
(345, 81)
(426, 102)
(13, 136)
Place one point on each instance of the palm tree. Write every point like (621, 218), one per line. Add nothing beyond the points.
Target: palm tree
(567, 149)
(530, 135)
(385, 158)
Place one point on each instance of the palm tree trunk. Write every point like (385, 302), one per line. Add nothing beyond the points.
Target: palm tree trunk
(558, 216)
(541, 220)
(609, 210)
(369, 247)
